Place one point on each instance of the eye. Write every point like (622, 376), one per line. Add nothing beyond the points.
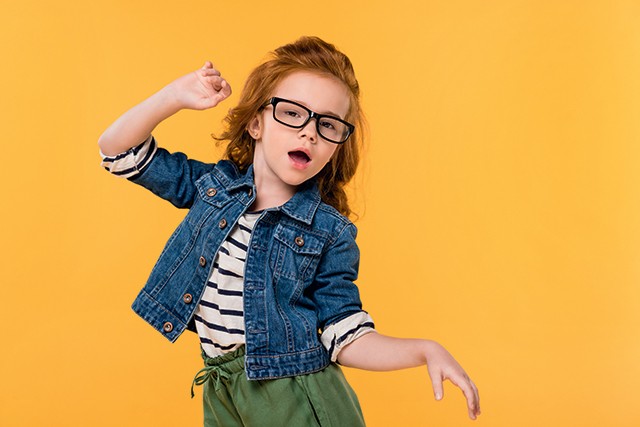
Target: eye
(292, 113)
(327, 124)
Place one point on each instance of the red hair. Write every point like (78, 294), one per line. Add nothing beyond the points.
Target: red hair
(306, 54)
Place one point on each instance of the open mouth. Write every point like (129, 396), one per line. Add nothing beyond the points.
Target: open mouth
(299, 157)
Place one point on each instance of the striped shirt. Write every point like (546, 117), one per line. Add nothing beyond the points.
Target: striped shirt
(219, 316)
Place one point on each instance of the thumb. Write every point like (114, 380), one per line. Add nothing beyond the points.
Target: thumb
(436, 382)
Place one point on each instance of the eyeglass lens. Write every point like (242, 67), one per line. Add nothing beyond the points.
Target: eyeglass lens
(296, 116)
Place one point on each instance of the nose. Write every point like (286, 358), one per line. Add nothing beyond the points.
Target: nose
(309, 131)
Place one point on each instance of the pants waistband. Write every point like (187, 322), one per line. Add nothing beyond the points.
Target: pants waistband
(219, 368)
(236, 355)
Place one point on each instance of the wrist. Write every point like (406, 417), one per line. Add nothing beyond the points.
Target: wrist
(169, 100)
(430, 349)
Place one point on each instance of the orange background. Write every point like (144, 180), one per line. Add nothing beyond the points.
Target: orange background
(501, 211)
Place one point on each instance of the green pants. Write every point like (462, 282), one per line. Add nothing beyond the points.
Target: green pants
(320, 399)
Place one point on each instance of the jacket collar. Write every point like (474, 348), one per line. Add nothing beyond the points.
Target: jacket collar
(302, 206)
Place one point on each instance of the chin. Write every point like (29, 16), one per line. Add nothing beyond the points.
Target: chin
(296, 180)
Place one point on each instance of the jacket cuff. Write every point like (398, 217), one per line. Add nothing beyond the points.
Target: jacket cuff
(338, 335)
(131, 162)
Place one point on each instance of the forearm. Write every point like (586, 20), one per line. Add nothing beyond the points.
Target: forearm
(376, 352)
(198, 90)
(136, 125)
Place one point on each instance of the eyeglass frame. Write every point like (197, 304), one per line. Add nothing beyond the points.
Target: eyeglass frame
(273, 101)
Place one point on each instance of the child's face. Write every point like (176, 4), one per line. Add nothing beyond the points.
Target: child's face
(287, 156)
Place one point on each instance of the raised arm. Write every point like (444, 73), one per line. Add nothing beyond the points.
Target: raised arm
(198, 90)
(376, 352)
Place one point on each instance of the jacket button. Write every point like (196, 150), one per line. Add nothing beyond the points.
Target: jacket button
(187, 298)
(211, 192)
(222, 224)
(299, 241)
(250, 192)
(167, 327)
(203, 261)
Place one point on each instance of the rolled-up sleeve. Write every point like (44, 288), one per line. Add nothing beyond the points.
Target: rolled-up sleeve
(338, 335)
(336, 296)
(131, 162)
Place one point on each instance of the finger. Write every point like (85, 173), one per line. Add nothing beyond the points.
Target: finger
(218, 83)
(223, 88)
(207, 64)
(475, 393)
(475, 389)
(224, 92)
(213, 82)
(469, 394)
(209, 72)
(226, 89)
(436, 383)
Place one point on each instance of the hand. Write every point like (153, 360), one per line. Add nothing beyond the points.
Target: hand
(377, 352)
(442, 366)
(200, 89)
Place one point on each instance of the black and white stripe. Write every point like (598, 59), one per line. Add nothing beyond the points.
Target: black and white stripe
(132, 161)
(336, 336)
(219, 316)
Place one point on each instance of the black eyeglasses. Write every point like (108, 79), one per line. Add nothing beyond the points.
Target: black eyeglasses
(297, 116)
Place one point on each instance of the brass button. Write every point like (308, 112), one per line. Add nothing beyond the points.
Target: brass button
(250, 192)
(211, 192)
(167, 327)
(187, 298)
(203, 261)
(299, 241)
(222, 224)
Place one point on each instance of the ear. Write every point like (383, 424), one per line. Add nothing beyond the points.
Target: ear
(255, 127)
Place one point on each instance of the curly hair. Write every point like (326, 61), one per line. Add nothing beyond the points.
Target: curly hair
(309, 54)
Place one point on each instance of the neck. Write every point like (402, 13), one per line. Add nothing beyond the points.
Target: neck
(270, 190)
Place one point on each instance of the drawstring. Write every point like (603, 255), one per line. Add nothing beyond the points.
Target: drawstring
(203, 375)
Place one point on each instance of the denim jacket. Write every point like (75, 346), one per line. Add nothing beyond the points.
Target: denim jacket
(301, 263)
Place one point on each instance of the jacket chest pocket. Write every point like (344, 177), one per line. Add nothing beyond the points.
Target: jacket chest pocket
(296, 252)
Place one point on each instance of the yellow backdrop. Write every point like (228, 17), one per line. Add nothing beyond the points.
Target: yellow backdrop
(500, 202)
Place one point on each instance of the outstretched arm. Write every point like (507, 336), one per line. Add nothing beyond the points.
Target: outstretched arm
(198, 90)
(376, 352)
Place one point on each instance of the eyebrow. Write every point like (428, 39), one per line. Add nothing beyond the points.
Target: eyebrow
(324, 113)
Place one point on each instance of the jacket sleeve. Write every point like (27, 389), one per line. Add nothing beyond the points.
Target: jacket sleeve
(336, 296)
(171, 176)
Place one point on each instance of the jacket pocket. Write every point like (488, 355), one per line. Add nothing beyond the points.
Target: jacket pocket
(297, 252)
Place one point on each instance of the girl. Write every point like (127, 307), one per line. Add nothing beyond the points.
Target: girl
(263, 265)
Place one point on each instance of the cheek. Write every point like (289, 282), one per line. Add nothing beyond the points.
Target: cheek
(331, 151)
